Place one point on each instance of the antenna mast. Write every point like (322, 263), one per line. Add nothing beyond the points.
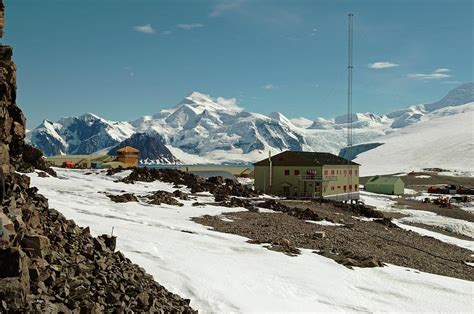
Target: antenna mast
(349, 83)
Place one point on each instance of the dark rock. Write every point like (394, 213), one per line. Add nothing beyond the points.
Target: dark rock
(38, 244)
(110, 241)
(181, 195)
(163, 197)
(124, 198)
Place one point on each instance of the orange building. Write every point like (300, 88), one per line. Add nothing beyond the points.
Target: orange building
(128, 155)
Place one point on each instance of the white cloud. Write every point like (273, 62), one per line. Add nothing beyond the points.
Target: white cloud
(441, 71)
(229, 103)
(146, 29)
(269, 86)
(437, 74)
(225, 6)
(189, 26)
(382, 65)
(167, 32)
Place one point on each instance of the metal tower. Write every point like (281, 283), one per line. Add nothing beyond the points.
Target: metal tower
(349, 83)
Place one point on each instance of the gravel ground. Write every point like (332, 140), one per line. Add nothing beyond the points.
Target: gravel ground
(358, 239)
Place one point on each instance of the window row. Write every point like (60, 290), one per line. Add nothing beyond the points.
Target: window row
(344, 187)
(344, 172)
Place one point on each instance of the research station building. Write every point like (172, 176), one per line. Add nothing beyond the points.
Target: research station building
(308, 175)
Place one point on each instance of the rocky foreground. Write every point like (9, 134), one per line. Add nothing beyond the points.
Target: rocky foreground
(48, 264)
(51, 265)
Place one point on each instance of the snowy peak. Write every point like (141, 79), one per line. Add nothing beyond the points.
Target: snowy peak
(358, 118)
(280, 118)
(201, 102)
(459, 96)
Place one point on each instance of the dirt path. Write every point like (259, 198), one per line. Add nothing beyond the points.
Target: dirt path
(358, 239)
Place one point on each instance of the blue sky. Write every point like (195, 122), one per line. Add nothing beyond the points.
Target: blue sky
(122, 59)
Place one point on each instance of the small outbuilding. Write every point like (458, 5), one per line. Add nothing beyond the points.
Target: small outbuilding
(385, 185)
(129, 156)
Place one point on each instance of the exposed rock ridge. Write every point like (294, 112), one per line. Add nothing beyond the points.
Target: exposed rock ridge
(48, 264)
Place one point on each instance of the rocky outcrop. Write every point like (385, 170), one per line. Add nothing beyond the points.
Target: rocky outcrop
(220, 188)
(164, 197)
(12, 120)
(48, 264)
(123, 198)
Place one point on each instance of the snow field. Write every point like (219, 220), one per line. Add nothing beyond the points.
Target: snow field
(222, 273)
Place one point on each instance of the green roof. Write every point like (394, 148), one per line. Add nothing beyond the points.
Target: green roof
(383, 180)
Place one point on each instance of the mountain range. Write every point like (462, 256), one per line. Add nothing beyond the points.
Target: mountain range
(202, 129)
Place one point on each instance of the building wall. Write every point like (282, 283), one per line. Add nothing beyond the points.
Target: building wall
(297, 187)
(397, 188)
(130, 159)
(347, 179)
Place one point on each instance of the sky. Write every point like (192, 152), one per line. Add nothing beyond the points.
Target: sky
(122, 59)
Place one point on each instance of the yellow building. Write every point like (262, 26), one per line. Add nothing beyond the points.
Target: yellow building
(308, 174)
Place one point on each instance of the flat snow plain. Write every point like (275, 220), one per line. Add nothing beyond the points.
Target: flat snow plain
(222, 273)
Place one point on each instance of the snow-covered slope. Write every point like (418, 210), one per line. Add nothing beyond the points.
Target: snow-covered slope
(222, 273)
(443, 138)
(202, 129)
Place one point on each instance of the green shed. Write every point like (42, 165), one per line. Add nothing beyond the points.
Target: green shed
(385, 185)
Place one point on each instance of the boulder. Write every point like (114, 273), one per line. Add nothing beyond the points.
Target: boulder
(163, 197)
(37, 245)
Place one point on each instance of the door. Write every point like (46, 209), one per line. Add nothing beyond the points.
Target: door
(286, 191)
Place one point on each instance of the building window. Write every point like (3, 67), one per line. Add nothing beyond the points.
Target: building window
(355, 186)
(332, 172)
(350, 187)
(326, 172)
(338, 186)
(350, 172)
(355, 172)
(345, 187)
(345, 172)
(297, 172)
(287, 172)
(332, 188)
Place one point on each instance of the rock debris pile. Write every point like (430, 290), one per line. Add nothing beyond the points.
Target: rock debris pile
(48, 264)
(220, 188)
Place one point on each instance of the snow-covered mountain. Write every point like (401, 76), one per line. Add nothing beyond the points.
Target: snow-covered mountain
(443, 139)
(205, 129)
(85, 134)
(202, 125)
